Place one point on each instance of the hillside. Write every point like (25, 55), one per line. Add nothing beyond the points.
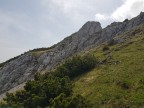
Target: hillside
(119, 52)
(118, 82)
(18, 70)
(109, 76)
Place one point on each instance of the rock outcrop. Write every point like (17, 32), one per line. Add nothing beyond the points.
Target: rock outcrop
(23, 68)
(91, 34)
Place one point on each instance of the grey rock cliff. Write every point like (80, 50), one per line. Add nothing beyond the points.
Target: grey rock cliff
(23, 68)
(113, 30)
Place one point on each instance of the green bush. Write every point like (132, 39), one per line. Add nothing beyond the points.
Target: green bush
(105, 48)
(76, 66)
(112, 42)
(39, 92)
(9, 105)
(53, 90)
(77, 101)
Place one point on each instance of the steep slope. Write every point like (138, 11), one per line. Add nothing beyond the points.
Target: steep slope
(23, 68)
(118, 82)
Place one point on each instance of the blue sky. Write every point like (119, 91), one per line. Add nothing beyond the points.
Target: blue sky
(28, 24)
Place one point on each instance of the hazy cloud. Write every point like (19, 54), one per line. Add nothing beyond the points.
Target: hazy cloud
(101, 17)
(31, 24)
(129, 9)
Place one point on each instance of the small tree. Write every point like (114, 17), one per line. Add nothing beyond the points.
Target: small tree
(105, 48)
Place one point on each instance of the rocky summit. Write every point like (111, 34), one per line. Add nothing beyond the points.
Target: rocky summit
(17, 71)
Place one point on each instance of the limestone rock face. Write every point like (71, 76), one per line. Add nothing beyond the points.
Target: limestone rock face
(114, 29)
(17, 72)
(91, 34)
(89, 28)
(22, 69)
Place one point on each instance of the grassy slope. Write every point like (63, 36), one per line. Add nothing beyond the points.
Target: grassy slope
(120, 81)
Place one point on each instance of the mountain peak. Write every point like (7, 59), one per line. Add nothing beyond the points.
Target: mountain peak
(90, 27)
(20, 69)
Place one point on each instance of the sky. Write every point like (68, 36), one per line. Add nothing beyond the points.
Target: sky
(29, 24)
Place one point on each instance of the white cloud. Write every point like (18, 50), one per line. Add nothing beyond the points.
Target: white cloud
(70, 15)
(129, 9)
(71, 9)
(41, 23)
(100, 17)
(65, 4)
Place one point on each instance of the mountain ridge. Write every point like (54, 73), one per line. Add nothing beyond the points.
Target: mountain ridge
(23, 68)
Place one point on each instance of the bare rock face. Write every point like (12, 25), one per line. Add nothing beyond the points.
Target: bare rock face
(16, 72)
(89, 28)
(113, 30)
(23, 68)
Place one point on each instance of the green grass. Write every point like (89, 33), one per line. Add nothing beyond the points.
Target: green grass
(119, 82)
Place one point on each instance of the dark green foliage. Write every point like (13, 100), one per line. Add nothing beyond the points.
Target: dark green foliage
(38, 92)
(53, 92)
(105, 48)
(77, 101)
(9, 105)
(112, 42)
(53, 89)
(60, 101)
(123, 84)
(76, 66)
